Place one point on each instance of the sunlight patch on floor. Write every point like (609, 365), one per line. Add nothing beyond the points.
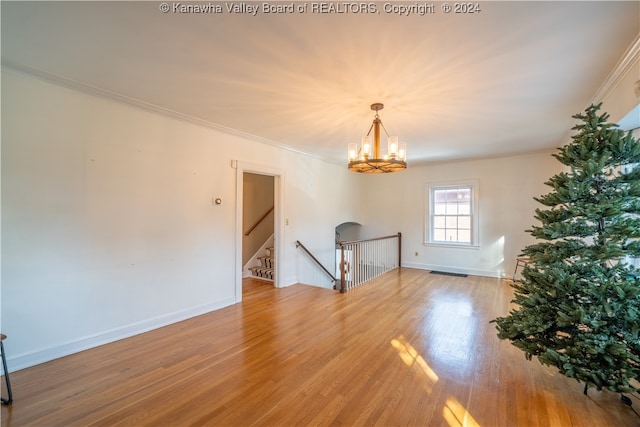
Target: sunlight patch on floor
(456, 415)
(411, 357)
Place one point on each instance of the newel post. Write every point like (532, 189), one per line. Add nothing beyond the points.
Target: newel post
(342, 268)
(399, 249)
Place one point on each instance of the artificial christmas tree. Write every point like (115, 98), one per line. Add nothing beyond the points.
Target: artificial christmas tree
(579, 298)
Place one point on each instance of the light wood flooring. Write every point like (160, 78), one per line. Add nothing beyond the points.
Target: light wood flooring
(409, 348)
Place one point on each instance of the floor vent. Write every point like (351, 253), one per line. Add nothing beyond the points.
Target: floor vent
(446, 273)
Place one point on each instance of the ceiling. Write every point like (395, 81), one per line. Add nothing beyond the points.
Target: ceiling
(504, 80)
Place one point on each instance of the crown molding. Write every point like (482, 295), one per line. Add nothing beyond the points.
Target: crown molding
(96, 91)
(631, 56)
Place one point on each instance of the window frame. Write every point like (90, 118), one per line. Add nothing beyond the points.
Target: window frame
(430, 190)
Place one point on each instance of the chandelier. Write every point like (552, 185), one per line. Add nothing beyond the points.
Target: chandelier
(367, 158)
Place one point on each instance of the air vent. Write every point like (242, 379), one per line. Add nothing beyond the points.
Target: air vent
(446, 273)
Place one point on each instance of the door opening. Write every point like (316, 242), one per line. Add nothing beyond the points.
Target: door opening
(258, 257)
(260, 179)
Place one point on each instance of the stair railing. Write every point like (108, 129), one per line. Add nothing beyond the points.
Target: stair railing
(262, 218)
(300, 245)
(363, 260)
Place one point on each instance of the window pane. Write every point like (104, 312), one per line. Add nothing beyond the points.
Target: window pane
(438, 235)
(438, 222)
(464, 236)
(464, 209)
(464, 222)
(440, 196)
(439, 209)
(464, 194)
(452, 209)
(452, 221)
(452, 236)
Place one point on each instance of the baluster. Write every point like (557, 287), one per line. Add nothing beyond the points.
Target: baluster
(387, 266)
(361, 250)
(392, 253)
(378, 260)
(368, 263)
(354, 264)
(365, 262)
(374, 264)
(385, 254)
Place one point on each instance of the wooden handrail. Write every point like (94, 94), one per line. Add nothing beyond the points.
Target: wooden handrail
(259, 221)
(299, 244)
(393, 236)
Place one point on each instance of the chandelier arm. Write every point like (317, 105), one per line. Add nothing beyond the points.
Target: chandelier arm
(385, 129)
(371, 128)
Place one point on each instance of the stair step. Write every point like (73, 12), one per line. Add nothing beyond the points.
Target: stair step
(265, 273)
(266, 262)
(266, 268)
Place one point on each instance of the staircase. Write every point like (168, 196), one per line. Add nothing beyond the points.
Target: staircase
(267, 266)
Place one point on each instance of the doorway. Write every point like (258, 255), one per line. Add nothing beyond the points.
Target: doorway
(259, 177)
(258, 226)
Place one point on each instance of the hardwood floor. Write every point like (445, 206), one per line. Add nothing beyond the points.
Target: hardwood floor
(410, 348)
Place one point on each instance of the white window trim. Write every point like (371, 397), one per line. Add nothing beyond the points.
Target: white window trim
(475, 214)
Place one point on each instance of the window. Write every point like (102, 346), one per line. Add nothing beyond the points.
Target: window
(452, 218)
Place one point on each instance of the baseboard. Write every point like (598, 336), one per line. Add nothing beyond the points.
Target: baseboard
(288, 281)
(449, 269)
(23, 361)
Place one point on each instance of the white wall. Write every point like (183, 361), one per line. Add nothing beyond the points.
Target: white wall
(506, 208)
(108, 226)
